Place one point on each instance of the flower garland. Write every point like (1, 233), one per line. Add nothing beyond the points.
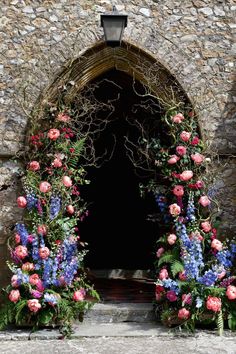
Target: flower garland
(48, 285)
(193, 265)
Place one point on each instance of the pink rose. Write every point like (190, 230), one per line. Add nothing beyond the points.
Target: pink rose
(186, 175)
(159, 292)
(63, 117)
(181, 150)
(70, 209)
(44, 252)
(21, 252)
(185, 136)
(34, 279)
(17, 238)
(42, 230)
(182, 276)
(79, 295)
(45, 187)
(173, 159)
(187, 299)
(216, 244)
(34, 305)
(14, 296)
(195, 141)
(171, 239)
(204, 201)
(213, 303)
(206, 226)
(183, 314)
(67, 181)
(199, 184)
(14, 281)
(159, 252)
(178, 191)
(34, 166)
(177, 118)
(174, 209)
(40, 286)
(27, 267)
(37, 294)
(195, 235)
(231, 292)
(57, 163)
(171, 296)
(163, 274)
(21, 202)
(53, 134)
(197, 158)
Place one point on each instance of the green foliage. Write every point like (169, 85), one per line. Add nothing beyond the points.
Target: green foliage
(167, 257)
(176, 267)
(232, 320)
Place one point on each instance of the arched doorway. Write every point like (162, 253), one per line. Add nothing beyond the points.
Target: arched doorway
(117, 230)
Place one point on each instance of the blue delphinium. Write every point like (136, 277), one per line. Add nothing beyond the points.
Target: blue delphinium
(209, 278)
(171, 285)
(50, 298)
(55, 206)
(225, 258)
(69, 270)
(199, 302)
(47, 269)
(22, 231)
(22, 278)
(191, 210)
(162, 204)
(32, 201)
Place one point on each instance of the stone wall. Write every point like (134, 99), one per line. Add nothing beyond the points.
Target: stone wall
(193, 39)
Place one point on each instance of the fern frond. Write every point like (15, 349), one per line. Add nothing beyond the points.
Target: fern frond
(166, 258)
(176, 267)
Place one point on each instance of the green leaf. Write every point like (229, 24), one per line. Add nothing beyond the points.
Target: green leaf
(45, 317)
(232, 322)
(176, 267)
(166, 258)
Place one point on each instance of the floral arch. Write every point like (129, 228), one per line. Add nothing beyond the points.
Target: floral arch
(193, 266)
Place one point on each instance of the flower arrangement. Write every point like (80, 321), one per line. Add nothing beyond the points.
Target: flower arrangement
(194, 265)
(48, 285)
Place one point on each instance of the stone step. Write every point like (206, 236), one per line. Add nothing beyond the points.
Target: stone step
(120, 312)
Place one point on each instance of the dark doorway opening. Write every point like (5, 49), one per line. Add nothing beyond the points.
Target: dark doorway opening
(117, 230)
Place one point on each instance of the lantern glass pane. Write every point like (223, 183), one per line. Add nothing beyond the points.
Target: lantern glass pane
(113, 29)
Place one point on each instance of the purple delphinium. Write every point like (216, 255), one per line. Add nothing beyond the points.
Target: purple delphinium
(209, 278)
(22, 231)
(55, 206)
(190, 210)
(50, 298)
(32, 201)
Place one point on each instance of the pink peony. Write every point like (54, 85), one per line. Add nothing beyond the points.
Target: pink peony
(63, 117)
(21, 202)
(17, 238)
(21, 252)
(181, 150)
(14, 296)
(171, 239)
(42, 230)
(44, 252)
(45, 187)
(195, 141)
(183, 314)
(70, 209)
(14, 281)
(34, 279)
(197, 158)
(186, 175)
(216, 244)
(67, 181)
(177, 118)
(34, 166)
(57, 163)
(206, 226)
(40, 286)
(163, 274)
(187, 299)
(174, 209)
(34, 305)
(28, 267)
(204, 201)
(213, 303)
(171, 296)
(178, 191)
(53, 134)
(185, 136)
(79, 295)
(231, 292)
(159, 252)
(173, 159)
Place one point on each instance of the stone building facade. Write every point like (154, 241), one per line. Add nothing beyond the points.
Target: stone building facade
(192, 39)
